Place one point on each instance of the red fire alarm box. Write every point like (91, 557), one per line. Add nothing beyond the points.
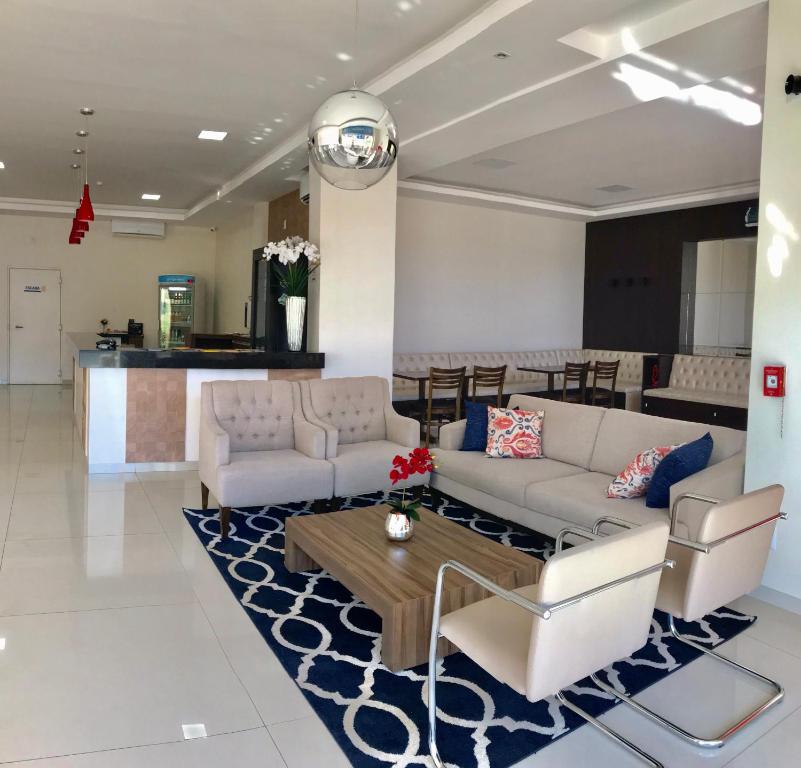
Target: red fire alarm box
(773, 381)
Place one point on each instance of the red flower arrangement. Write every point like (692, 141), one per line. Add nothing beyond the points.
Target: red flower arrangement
(419, 462)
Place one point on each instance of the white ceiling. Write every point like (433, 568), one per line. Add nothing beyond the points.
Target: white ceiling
(158, 72)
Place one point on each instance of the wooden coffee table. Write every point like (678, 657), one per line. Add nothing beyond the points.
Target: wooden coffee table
(398, 580)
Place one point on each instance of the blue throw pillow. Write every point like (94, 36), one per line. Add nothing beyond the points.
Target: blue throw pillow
(475, 433)
(684, 461)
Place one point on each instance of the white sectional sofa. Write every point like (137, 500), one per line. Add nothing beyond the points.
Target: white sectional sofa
(629, 380)
(713, 389)
(584, 448)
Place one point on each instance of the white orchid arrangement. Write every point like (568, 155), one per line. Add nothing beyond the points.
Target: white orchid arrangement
(292, 272)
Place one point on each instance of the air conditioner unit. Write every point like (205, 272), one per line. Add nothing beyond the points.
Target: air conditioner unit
(138, 228)
(304, 188)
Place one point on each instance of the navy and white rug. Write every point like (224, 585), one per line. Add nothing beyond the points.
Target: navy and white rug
(330, 644)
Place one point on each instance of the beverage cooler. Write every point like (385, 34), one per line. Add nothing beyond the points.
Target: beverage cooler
(178, 310)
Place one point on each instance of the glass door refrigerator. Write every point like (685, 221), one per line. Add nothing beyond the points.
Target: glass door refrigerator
(178, 297)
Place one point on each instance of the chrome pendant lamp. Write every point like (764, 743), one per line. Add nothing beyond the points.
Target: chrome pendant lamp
(353, 137)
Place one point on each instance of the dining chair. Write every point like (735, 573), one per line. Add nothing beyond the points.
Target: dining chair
(593, 605)
(488, 378)
(575, 373)
(442, 380)
(722, 559)
(604, 373)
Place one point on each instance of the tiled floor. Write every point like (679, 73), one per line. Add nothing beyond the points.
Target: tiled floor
(116, 630)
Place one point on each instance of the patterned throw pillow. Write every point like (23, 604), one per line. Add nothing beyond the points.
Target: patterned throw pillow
(514, 434)
(634, 480)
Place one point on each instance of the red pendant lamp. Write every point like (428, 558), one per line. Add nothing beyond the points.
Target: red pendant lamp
(79, 228)
(85, 212)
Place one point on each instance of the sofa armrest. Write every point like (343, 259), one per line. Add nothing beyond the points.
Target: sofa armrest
(214, 449)
(723, 480)
(402, 429)
(451, 436)
(309, 438)
(331, 432)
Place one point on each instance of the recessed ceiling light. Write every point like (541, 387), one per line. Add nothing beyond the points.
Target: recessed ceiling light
(342, 56)
(278, 120)
(194, 730)
(501, 55)
(212, 135)
(2, 165)
(149, 196)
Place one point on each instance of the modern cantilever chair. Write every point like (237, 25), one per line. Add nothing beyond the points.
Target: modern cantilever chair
(720, 558)
(592, 606)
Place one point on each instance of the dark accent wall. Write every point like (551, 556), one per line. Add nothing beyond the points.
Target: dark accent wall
(632, 273)
(288, 217)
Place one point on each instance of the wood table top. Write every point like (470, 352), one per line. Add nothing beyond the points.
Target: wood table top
(352, 546)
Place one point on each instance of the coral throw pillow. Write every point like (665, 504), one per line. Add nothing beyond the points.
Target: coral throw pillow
(634, 480)
(514, 434)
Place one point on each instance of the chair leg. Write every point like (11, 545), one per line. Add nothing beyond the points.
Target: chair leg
(644, 756)
(698, 741)
(432, 706)
(225, 521)
(204, 496)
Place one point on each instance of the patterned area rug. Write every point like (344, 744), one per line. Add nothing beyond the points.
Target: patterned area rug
(330, 644)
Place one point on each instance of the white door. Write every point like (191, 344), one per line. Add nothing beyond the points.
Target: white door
(35, 326)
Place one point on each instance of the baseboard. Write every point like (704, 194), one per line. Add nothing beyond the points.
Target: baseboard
(779, 599)
(154, 466)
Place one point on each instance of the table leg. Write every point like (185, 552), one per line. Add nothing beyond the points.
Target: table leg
(551, 385)
(295, 559)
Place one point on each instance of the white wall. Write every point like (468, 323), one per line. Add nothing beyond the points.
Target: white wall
(352, 311)
(477, 279)
(773, 457)
(106, 276)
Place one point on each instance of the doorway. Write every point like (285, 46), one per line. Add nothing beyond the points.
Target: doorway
(34, 326)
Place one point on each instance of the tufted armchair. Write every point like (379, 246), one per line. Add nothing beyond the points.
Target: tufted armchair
(257, 449)
(362, 431)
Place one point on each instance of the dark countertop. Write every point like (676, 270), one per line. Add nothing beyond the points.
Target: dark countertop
(130, 357)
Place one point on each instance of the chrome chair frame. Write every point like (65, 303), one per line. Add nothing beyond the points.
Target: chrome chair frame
(544, 612)
(716, 742)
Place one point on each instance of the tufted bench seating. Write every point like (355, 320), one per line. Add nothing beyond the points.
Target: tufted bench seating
(629, 381)
(701, 388)
(363, 433)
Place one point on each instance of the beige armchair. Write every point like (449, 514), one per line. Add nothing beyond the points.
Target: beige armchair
(724, 560)
(363, 432)
(257, 449)
(593, 605)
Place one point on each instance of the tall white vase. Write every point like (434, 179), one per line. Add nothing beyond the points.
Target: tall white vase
(295, 317)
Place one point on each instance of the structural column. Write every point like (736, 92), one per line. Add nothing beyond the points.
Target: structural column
(774, 427)
(352, 299)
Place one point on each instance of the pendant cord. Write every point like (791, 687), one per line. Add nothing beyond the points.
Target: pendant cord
(86, 151)
(355, 39)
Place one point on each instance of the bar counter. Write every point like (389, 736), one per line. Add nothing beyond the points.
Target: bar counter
(139, 409)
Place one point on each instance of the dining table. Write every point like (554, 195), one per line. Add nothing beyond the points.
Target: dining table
(421, 377)
(551, 371)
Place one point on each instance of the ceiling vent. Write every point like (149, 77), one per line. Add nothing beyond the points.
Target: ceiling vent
(496, 163)
(615, 188)
(138, 228)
